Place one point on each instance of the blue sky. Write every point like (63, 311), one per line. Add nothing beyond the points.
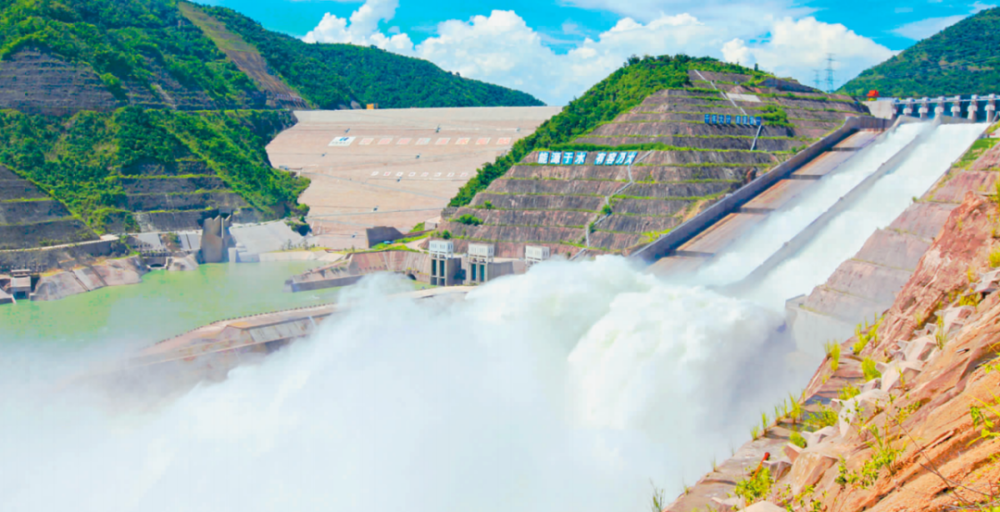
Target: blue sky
(556, 50)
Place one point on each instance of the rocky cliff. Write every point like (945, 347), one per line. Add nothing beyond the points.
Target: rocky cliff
(904, 415)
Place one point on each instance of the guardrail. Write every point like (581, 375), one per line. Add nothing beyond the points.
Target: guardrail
(680, 235)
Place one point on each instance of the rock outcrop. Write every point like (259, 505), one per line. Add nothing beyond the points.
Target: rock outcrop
(910, 412)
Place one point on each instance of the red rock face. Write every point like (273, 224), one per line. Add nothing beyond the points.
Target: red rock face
(989, 161)
(944, 268)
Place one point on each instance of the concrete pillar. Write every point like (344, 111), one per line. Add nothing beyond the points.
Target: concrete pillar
(991, 108)
(973, 110)
(215, 239)
(924, 111)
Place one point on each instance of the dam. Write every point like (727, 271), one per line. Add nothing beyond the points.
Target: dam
(596, 374)
(740, 254)
(590, 370)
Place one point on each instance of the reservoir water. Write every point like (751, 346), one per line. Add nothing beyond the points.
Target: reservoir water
(165, 304)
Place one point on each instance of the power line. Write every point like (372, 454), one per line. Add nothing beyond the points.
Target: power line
(829, 72)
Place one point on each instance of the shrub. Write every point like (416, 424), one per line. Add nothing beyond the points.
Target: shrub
(755, 487)
(797, 439)
(848, 392)
(446, 235)
(469, 220)
(995, 258)
(606, 210)
(826, 417)
(832, 349)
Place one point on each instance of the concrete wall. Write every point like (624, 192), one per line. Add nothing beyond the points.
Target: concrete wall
(60, 257)
(215, 240)
(381, 234)
(685, 232)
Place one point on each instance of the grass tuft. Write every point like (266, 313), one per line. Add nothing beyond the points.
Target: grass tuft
(868, 368)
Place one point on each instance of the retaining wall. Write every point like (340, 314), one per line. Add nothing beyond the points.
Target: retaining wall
(29, 212)
(679, 236)
(60, 257)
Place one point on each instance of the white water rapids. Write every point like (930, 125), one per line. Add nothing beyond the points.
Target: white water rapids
(567, 388)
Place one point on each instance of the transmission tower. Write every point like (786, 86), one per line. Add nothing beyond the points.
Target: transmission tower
(829, 72)
(816, 81)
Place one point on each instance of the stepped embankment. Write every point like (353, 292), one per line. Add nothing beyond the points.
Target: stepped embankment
(680, 165)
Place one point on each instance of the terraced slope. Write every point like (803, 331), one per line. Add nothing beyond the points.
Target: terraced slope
(101, 54)
(683, 165)
(137, 169)
(30, 218)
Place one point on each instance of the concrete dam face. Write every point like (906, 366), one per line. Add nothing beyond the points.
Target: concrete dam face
(570, 387)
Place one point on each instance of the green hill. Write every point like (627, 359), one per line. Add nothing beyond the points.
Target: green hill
(633, 158)
(961, 59)
(602, 103)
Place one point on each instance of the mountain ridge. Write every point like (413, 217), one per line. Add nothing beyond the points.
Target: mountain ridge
(960, 59)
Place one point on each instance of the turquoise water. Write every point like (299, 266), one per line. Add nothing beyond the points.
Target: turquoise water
(164, 305)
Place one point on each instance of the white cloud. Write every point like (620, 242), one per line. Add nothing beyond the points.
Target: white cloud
(501, 48)
(362, 29)
(796, 47)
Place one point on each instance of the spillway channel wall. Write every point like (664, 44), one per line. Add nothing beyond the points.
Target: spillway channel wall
(685, 232)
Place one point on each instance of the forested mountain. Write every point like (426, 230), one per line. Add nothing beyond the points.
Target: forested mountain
(962, 59)
(169, 53)
(330, 75)
(126, 115)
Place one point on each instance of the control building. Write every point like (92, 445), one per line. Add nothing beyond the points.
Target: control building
(446, 269)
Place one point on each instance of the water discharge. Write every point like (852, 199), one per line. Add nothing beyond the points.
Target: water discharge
(877, 208)
(567, 388)
(780, 226)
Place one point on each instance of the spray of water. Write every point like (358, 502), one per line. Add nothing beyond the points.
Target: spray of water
(877, 208)
(780, 226)
(567, 388)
